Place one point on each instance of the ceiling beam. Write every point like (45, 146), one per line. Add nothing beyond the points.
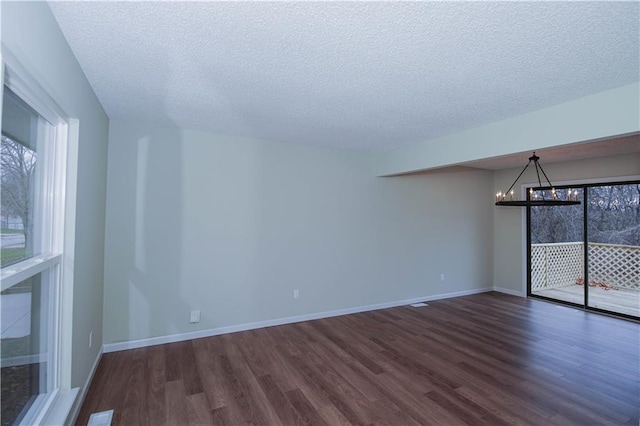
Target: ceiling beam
(606, 114)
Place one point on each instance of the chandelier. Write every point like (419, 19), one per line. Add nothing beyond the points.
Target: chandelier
(508, 198)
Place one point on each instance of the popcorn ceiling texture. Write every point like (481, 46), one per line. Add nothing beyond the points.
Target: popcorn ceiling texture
(361, 76)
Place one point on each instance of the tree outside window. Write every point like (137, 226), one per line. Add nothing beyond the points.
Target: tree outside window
(18, 166)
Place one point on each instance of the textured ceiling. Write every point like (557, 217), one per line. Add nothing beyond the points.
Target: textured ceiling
(354, 75)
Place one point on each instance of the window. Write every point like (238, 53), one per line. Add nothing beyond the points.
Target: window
(32, 172)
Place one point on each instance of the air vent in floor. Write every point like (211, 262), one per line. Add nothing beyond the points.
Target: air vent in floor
(103, 418)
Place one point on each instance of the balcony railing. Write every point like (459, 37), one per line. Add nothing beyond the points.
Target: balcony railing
(561, 264)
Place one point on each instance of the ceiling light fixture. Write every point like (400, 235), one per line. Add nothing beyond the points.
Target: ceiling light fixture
(557, 198)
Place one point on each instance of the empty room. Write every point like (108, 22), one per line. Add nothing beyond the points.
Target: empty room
(324, 213)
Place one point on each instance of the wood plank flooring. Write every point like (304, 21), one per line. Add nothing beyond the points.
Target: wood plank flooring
(483, 359)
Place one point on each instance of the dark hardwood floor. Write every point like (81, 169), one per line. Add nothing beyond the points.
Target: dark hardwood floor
(484, 359)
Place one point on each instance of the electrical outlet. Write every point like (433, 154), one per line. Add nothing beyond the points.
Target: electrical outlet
(195, 317)
(90, 339)
(296, 294)
(441, 277)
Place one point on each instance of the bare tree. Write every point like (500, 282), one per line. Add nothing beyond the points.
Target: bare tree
(613, 211)
(18, 164)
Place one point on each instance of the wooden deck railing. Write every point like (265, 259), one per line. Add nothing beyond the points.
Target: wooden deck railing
(562, 264)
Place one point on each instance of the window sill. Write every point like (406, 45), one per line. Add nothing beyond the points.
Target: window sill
(60, 408)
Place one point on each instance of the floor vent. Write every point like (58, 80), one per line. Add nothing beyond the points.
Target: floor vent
(103, 418)
(419, 305)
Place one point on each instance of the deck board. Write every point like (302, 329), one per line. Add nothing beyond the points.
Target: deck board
(621, 301)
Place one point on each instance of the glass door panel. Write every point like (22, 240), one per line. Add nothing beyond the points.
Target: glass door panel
(557, 248)
(613, 232)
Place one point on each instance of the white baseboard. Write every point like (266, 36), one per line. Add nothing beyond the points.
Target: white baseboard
(509, 291)
(77, 405)
(133, 344)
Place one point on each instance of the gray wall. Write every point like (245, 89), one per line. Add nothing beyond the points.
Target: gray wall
(231, 226)
(509, 240)
(31, 33)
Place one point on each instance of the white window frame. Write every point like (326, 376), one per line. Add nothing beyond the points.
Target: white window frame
(52, 202)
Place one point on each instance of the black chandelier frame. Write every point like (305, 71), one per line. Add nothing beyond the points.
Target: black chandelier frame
(501, 198)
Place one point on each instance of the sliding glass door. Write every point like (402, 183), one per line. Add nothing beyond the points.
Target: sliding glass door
(588, 255)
